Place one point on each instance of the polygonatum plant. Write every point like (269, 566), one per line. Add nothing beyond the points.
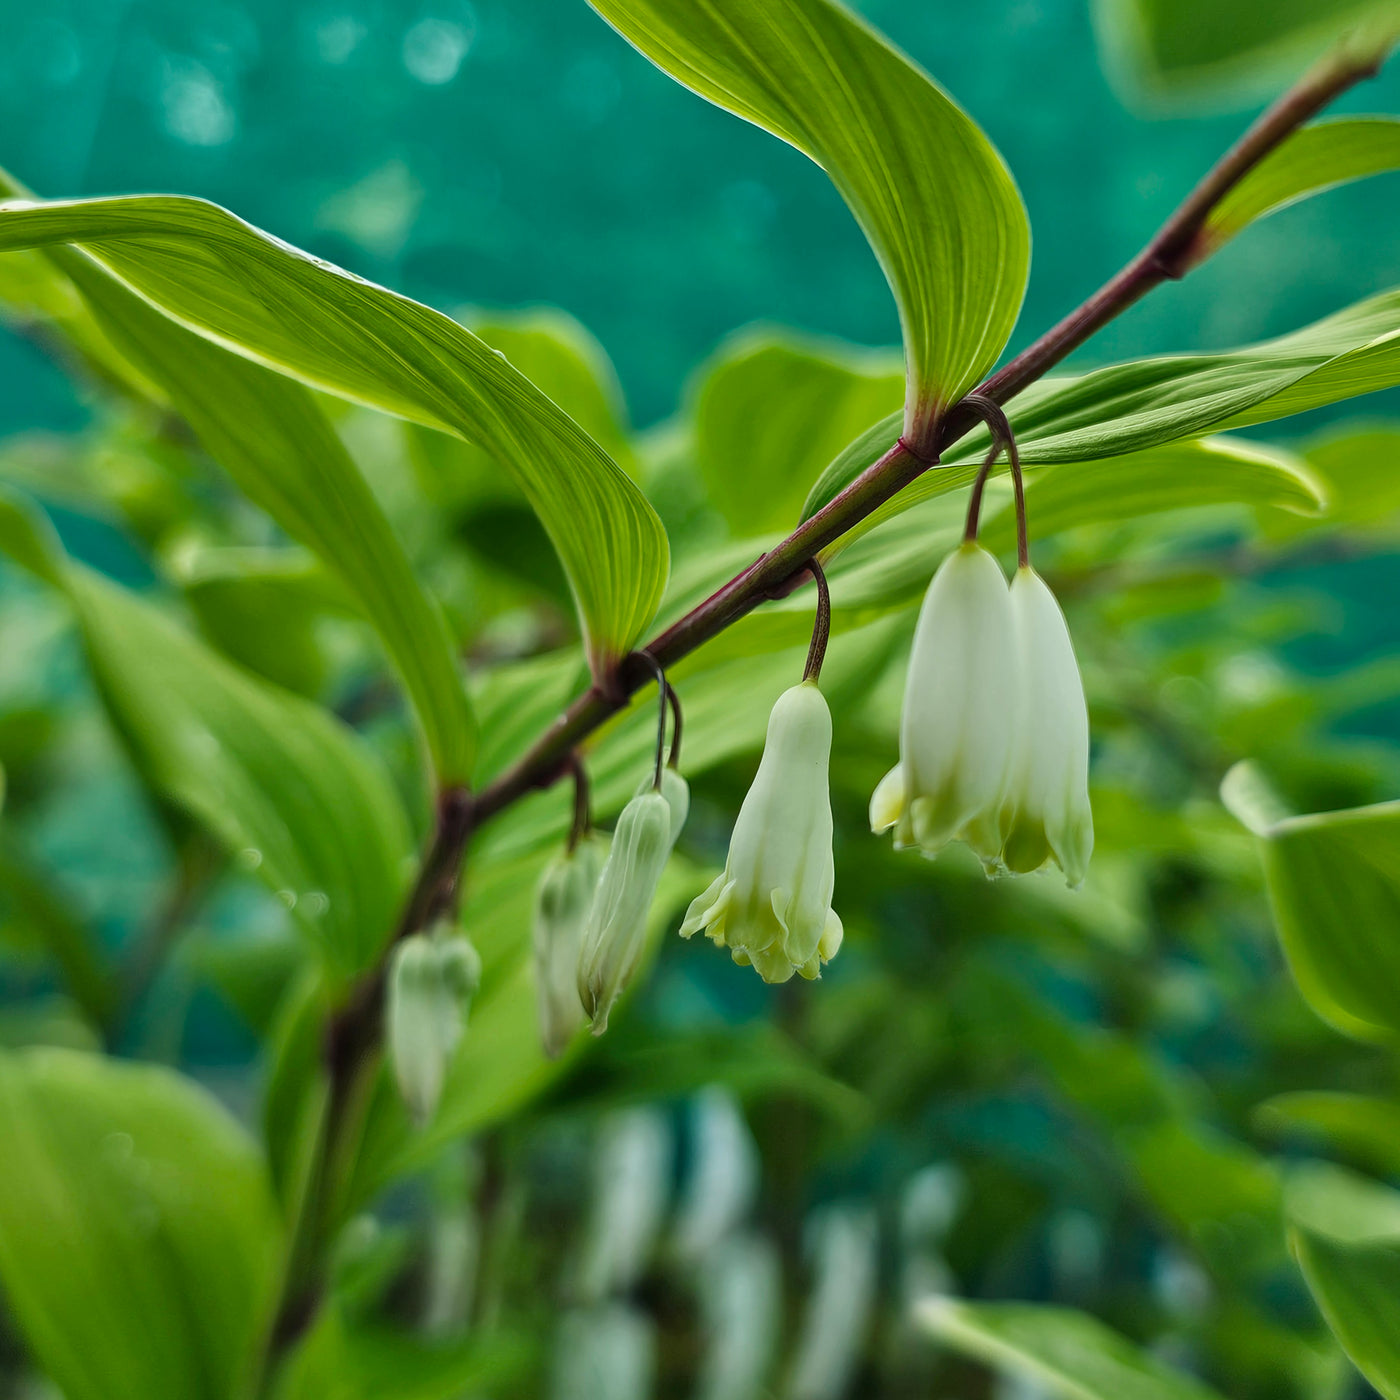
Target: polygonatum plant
(454, 920)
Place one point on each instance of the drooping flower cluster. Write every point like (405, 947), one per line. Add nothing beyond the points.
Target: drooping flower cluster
(994, 751)
(994, 737)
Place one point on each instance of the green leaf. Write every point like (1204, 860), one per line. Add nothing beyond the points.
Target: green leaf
(1334, 885)
(1346, 1237)
(772, 409)
(1148, 403)
(886, 561)
(1232, 50)
(305, 318)
(272, 438)
(1317, 158)
(1360, 471)
(138, 1242)
(1069, 1353)
(290, 791)
(33, 908)
(563, 360)
(261, 607)
(1178, 476)
(930, 192)
(342, 1361)
(1363, 1127)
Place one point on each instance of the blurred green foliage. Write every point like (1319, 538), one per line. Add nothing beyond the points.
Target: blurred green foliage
(1116, 1102)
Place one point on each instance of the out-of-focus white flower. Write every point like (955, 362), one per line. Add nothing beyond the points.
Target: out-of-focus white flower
(772, 905)
(431, 982)
(615, 930)
(956, 741)
(562, 902)
(1047, 804)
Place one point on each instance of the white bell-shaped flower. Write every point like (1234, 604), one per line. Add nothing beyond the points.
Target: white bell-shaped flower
(772, 905)
(956, 738)
(432, 979)
(615, 930)
(562, 902)
(1047, 805)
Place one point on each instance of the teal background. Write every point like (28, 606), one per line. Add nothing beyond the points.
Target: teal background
(517, 151)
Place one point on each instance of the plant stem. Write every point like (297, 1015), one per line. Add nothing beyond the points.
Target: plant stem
(1179, 244)
(354, 1030)
(350, 1054)
(821, 626)
(1002, 438)
(1174, 249)
(583, 812)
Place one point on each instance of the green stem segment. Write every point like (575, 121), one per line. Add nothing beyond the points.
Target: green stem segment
(354, 1032)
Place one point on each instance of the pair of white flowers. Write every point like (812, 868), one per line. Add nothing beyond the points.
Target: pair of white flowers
(994, 739)
(994, 751)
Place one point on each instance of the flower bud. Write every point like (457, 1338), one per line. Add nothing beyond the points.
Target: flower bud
(615, 930)
(1047, 805)
(956, 739)
(561, 908)
(432, 978)
(676, 791)
(772, 905)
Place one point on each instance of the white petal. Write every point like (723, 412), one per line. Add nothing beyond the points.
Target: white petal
(956, 730)
(1048, 800)
(887, 801)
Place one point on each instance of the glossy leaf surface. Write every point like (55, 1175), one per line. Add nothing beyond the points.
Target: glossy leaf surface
(304, 317)
(932, 195)
(1334, 884)
(1068, 1353)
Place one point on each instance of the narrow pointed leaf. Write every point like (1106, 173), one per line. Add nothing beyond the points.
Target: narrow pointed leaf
(1346, 1237)
(308, 319)
(1146, 403)
(291, 792)
(772, 409)
(930, 192)
(1231, 51)
(1317, 158)
(272, 438)
(1177, 476)
(1334, 884)
(1068, 1353)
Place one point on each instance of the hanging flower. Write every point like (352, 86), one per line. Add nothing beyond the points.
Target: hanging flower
(772, 905)
(432, 979)
(615, 930)
(1047, 806)
(676, 791)
(956, 738)
(561, 909)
